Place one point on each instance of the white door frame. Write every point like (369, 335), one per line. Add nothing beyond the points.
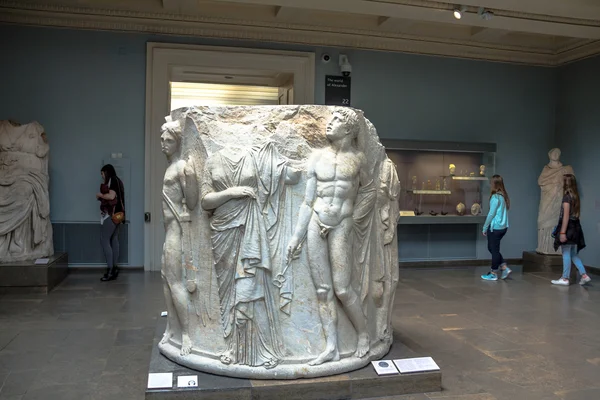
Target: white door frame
(161, 58)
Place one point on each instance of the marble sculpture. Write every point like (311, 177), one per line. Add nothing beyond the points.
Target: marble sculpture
(281, 254)
(551, 185)
(25, 227)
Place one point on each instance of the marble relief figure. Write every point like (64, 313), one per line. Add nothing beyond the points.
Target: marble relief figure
(293, 241)
(551, 186)
(334, 174)
(25, 227)
(243, 192)
(386, 279)
(180, 193)
(181, 261)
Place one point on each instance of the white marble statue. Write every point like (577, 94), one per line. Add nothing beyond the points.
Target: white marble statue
(295, 243)
(25, 227)
(334, 174)
(551, 185)
(181, 259)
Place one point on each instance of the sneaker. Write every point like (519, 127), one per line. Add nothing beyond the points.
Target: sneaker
(561, 282)
(505, 273)
(490, 276)
(585, 279)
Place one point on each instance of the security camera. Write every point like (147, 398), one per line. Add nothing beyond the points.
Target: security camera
(345, 66)
(325, 58)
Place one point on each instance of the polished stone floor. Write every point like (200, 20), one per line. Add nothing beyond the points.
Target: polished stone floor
(517, 339)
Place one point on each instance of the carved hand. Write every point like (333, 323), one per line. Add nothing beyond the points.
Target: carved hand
(241, 191)
(188, 169)
(292, 248)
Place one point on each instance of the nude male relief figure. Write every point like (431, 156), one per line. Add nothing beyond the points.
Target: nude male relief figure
(334, 175)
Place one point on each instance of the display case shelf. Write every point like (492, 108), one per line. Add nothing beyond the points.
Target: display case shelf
(441, 219)
(470, 178)
(427, 165)
(427, 191)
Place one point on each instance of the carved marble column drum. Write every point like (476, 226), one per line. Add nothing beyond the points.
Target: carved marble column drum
(281, 256)
(25, 227)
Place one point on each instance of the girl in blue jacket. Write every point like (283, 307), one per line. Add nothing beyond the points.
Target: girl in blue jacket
(495, 227)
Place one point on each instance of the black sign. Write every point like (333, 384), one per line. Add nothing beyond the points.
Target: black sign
(337, 90)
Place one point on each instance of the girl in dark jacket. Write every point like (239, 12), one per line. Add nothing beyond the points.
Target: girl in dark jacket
(112, 201)
(569, 235)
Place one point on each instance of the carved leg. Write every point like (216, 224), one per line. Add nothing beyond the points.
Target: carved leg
(318, 258)
(173, 276)
(170, 311)
(339, 250)
(180, 298)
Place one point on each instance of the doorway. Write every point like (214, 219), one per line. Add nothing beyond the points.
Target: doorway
(184, 75)
(187, 94)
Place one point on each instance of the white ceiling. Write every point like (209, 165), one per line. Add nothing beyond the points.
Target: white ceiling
(538, 32)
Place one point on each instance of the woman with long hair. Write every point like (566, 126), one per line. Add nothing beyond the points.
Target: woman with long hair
(568, 232)
(495, 227)
(112, 202)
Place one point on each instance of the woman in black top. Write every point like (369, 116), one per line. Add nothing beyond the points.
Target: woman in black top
(112, 201)
(568, 233)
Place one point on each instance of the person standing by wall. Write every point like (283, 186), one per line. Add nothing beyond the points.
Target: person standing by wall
(112, 214)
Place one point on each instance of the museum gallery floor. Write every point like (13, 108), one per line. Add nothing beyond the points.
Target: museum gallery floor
(520, 339)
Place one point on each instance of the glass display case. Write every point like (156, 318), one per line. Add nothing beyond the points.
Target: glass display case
(442, 182)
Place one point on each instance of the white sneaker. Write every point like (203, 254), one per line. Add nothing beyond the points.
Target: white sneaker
(585, 279)
(561, 282)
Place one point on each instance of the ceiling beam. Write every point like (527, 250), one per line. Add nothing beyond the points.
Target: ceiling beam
(581, 9)
(395, 10)
(179, 5)
(486, 34)
(394, 23)
(14, 12)
(284, 12)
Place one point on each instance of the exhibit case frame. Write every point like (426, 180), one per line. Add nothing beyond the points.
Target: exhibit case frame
(431, 225)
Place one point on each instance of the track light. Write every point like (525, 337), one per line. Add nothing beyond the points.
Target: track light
(459, 11)
(485, 14)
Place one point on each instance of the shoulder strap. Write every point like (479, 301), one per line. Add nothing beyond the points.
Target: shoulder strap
(119, 183)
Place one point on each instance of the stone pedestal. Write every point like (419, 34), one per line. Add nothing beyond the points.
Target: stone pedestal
(360, 384)
(535, 262)
(28, 277)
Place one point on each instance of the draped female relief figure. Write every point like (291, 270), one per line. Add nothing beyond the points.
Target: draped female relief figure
(25, 227)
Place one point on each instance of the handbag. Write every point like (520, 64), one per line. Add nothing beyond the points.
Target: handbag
(119, 217)
(555, 232)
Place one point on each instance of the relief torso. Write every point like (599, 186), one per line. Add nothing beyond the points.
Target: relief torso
(337, 184)
(173, 191)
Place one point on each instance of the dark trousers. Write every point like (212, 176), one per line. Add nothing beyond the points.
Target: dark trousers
(494, 238)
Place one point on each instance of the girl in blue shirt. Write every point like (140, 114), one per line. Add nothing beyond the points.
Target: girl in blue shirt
(495, 227)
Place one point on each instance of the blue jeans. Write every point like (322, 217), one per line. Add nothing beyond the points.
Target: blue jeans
(569, 253)
(494, 238)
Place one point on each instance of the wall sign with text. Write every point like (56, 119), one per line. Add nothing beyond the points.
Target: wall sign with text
(337, 90)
